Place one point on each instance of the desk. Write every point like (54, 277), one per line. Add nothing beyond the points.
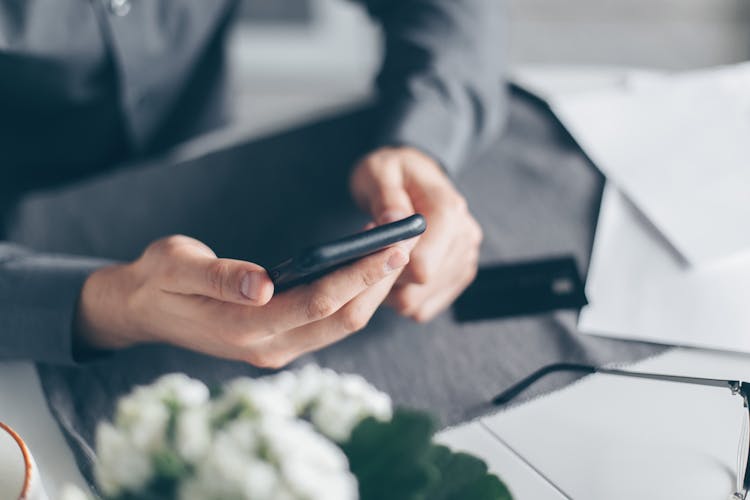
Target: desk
(621, 438)
(603, 437)
(23, 407)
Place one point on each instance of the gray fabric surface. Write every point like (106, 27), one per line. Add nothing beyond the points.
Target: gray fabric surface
(533, 192)
(84, 87)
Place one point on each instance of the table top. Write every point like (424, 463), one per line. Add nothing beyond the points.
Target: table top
(603, 437)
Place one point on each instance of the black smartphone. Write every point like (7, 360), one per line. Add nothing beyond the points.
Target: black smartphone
(319, 260)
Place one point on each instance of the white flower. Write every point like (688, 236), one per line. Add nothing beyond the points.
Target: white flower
(312, 467)
(252, 398)
(181, 389)
(121, 465)
(176, 389)
(335, 403)
(251, 443)
(126, 449)
(145, 420)
(193, 433)
(233, 468)
(271, 458)
(347, 402)
(145, 412)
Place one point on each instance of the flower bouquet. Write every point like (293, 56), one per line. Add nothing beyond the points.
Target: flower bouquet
(311, 434)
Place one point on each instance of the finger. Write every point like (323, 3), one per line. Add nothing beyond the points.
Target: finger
(409, 298)
(386, 196)
(444, 297)
(322, 298)
(193, 270)
(436, 304)
(447, 252)
(444, 221)
(352, 317)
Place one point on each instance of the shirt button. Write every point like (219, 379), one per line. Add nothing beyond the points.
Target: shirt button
(119, 7)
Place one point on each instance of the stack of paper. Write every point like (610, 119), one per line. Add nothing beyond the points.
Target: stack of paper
(671, 259)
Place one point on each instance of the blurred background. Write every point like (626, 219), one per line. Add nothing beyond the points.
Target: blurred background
(292, 60)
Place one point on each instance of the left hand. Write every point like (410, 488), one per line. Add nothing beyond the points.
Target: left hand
(393, 183)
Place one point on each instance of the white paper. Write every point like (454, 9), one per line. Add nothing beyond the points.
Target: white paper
(638, 289)
(553, 81)
(617, 438)
(679, 147)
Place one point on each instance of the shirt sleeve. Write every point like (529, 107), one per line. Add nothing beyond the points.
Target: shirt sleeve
(440, 86)
(38, 299)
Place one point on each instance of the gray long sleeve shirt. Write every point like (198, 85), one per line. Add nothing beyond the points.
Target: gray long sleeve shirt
(83, 86)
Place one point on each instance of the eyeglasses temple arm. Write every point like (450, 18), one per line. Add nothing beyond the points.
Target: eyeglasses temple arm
(744, 391)
(523, 384)
(507, 395)
(735, 385)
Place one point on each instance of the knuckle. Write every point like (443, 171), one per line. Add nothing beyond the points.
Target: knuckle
(421, 316)
(216, 276)
(253, 359)
(271, 360)
(354, 319)
(239, 339)
(384, 159)
(478, 233)
(170, 245)
(402, 302)
(458, 203)
(320, 306)
(420, 271)
(372, 275)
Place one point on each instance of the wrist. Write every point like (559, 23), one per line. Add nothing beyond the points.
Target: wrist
(102, 320)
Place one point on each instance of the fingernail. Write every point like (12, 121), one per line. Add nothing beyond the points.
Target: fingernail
(396, 261)
(392, 216)
(250, 286)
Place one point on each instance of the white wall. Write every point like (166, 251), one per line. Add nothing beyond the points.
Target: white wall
(673, 34)
(282, 76)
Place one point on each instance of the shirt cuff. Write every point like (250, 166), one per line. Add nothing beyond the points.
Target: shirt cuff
(38, 301)
(430, 126)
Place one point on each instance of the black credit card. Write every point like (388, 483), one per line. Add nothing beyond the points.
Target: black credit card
(522, 288)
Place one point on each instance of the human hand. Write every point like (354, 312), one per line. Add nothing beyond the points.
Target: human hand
(393, 183)
(179, 292)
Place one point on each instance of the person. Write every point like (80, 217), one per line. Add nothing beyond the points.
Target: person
(88, 85)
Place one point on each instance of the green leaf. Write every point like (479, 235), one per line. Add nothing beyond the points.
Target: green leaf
(391, 459)
(168, 465)
(464, 476)
(488, 487)
(397, 460)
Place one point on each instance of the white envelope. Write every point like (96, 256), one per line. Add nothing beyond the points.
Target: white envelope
(679, 148)
(638, 289)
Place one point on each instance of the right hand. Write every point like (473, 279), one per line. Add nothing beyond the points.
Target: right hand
(179, 292)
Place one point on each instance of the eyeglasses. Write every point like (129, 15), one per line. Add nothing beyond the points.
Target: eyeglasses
(737, 387)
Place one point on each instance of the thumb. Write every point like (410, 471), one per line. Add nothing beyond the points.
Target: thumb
(194, 271)
(387, 198)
